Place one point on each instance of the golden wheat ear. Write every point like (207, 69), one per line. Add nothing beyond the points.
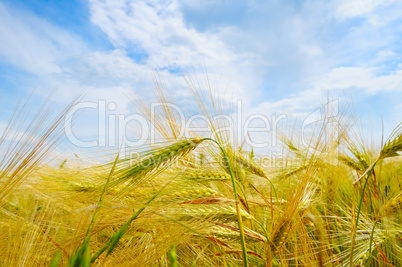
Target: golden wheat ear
(251, 166)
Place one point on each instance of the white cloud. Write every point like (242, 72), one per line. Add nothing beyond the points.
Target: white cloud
(298, 106)
(362, 78)
(356, 8)
(33, 44)
(311, 50)
(386, 54)
(159, 30)
(364, 81)
(103, 67)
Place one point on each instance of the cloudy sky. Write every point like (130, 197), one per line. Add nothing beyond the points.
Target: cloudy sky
(273, 55)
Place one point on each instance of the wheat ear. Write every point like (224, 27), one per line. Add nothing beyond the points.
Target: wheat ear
(390, 149)
(252, 167)
(155, 160)
(392, 206)
(204, 176)
(279, 236)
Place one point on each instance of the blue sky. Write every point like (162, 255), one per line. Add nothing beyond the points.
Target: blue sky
(275, 55)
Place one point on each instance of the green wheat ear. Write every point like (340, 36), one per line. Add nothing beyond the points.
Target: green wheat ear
(393, 145)
(390, 149)
(154, 160)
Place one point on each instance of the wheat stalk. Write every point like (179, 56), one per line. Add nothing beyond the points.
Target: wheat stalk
(238, 210)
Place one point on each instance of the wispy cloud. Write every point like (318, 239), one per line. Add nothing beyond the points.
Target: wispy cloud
(356, 8)
(361, 78)
(33, 44)
(158, 32)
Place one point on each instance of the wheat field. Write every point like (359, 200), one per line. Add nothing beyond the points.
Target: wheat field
(200, 201)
